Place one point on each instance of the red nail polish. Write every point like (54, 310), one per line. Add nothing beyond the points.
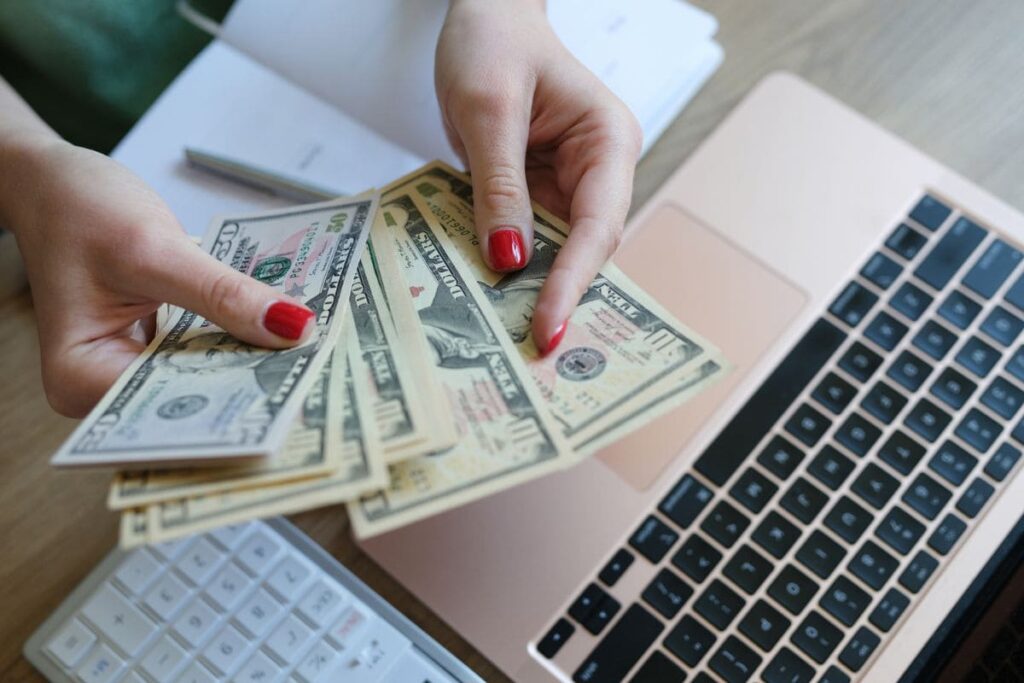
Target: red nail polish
(286, 319)
(556, 338)
(506, 249)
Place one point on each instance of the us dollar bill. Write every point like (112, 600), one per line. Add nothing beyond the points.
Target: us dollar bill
(506, 434)
(621, 348)
(199, 395)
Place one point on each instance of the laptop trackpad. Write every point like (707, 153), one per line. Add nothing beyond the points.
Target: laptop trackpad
(720, 291)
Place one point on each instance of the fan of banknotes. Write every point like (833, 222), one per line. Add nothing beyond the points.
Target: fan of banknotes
(420, 391)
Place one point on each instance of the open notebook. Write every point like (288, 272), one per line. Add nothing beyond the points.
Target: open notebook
(340, 93)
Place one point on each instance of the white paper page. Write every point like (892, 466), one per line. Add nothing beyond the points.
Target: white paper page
(375, 59)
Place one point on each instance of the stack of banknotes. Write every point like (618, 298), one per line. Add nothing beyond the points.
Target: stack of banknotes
(420, 391)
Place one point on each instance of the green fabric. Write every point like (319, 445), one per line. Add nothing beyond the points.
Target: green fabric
(90, 68)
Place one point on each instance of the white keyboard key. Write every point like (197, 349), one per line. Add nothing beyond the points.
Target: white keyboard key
(317, 664)
(289, 639)
(137, 571)
(380, 649)
(231, 535)
(229, 587)
(71, 643)
(289, 578)
(100, 666)
(197, 673)
(132, 677)
(259, 669)
(167, 596)
(196, 622)
(200, 561)
(322, 603)
(412, 666)
(259, 613)
(119, 620)
(170, 550)
(162, 662)
(226, 651)
(348, 630)
(259, 553)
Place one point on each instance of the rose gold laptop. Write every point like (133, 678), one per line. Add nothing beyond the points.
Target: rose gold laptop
(828, 511)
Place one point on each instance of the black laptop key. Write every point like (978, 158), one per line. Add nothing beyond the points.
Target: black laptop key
(787, 667)
(881, 270)
(753, 490)
(702, 677)
(830, 467)
(1002, 326)
(772, 399)
(899, 530)
(875, 486)
(927, 496)
(780, 457)
(666, 593)
(979, 430)
(734, 661)
(803, 500)
(889, 610)
(719, 604)
(952, 463)
(845, 601)
(934, 340)
(553, 640)
(658, 669)
(820, 554)
(621, 648)
(860, 362)
(775, 534)
(685, 501)
(990, 272)
(653, 539)
(951, 252)
(834, 393)
(975, 497)
(883, 402)
(807, 424)
(857, 434)
(748, 569)
(834, 675)
(591, 596)
(901, 452)
(873, 565)
(616, 567)
(817, 637)
(689, 640)
(1002, 461)
(725, 524)
(853, 303)
(1015, 366)
(911, 300)
(977, 356)
(859, 649)
(917, 573)
(953, 388)
(959, 309)
(848, 519)
(930, 213)
(885, 330)
(1015, 294)
(947, 534)
(927, 420)
(906, 241)
(1018, 432)
(792, 589)
(909, 370)
(602, 615)
(697, 558)
(1003, 398)
(764, 625)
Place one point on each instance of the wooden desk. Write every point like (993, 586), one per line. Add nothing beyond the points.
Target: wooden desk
(946, 75)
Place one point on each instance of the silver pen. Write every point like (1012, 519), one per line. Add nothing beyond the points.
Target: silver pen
(260, 178)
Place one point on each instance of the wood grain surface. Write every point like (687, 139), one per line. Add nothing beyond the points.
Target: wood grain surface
(947, 75)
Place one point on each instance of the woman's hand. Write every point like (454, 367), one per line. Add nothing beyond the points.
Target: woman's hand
(102, 252)
(530, 121)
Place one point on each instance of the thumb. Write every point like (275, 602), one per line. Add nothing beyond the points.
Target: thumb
(494, 137)
(246, 308)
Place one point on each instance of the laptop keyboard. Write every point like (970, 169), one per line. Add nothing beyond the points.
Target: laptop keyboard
(807, 529)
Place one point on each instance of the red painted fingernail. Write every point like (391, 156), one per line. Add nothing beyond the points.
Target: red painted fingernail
(556, 338)
(505, 246)
(287, 320)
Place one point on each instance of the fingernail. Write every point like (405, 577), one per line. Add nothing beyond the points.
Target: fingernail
(556, 338)
(287, 320)
(505, 245)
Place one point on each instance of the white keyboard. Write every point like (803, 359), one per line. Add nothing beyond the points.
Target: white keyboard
(258, 603)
